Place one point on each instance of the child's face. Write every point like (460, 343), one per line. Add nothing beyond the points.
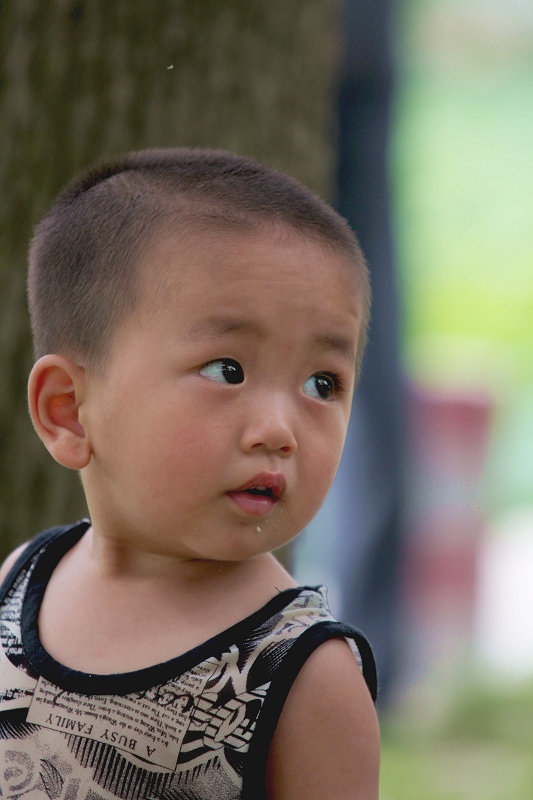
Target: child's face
(238, 374)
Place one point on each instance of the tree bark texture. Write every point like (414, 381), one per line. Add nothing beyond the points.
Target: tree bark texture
(81, 80)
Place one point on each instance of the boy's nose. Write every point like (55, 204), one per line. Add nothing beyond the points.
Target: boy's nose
(270, 427)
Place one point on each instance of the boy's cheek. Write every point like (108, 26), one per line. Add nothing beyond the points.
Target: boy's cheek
(317, 474)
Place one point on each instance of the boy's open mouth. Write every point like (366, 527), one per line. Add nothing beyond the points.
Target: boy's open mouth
(259, 495)
(262, 491)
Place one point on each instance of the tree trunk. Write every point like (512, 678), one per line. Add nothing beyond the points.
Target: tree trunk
(83, 80)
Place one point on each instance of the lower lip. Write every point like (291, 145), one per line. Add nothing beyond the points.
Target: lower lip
(255, 505)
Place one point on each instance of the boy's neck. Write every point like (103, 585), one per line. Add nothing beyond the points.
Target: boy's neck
(126, 596)
(111, 559)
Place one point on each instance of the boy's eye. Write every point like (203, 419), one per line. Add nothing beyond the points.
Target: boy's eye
(223, 370)
(320, 386)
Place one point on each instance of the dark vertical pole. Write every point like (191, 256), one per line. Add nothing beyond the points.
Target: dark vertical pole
(370, 480)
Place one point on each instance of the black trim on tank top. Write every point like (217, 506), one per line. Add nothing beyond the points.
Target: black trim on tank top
(255, 773)
(122, 683)
(32, 547)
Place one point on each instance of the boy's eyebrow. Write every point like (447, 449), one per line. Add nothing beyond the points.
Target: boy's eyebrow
(223, 325)
(340, 344)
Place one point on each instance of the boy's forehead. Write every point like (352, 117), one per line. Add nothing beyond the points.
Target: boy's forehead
(185, 259)
(243, 284)
(212, 286)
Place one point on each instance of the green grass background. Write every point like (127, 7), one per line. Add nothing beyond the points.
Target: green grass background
(463, 176)
(482, 749)
(462, 165)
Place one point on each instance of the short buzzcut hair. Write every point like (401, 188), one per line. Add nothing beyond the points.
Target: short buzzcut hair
(85, 253)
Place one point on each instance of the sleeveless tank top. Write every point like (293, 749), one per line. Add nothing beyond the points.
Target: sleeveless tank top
(197, 727)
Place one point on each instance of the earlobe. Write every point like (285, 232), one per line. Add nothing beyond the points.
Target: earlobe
(55, 392)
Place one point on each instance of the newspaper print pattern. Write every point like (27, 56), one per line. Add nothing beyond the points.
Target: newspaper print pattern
(186, 739)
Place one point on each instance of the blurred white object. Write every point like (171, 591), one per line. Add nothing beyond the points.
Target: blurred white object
(504, 610)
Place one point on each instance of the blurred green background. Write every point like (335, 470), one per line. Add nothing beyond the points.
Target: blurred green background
(463, 179)
(463, 169)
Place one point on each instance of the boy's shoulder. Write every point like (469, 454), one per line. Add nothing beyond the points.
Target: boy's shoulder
(328, 720)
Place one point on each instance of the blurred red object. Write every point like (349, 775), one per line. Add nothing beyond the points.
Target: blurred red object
(449, 434)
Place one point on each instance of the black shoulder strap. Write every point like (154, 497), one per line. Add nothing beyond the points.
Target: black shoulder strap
(305, 644)
(33, 547)
(338, 629)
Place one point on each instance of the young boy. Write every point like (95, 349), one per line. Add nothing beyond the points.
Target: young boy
(199, 322)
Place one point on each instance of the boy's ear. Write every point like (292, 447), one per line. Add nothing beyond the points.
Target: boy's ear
(55, 391)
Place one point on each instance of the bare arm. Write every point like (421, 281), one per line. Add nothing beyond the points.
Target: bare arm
(10, 560)
(326, 743)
